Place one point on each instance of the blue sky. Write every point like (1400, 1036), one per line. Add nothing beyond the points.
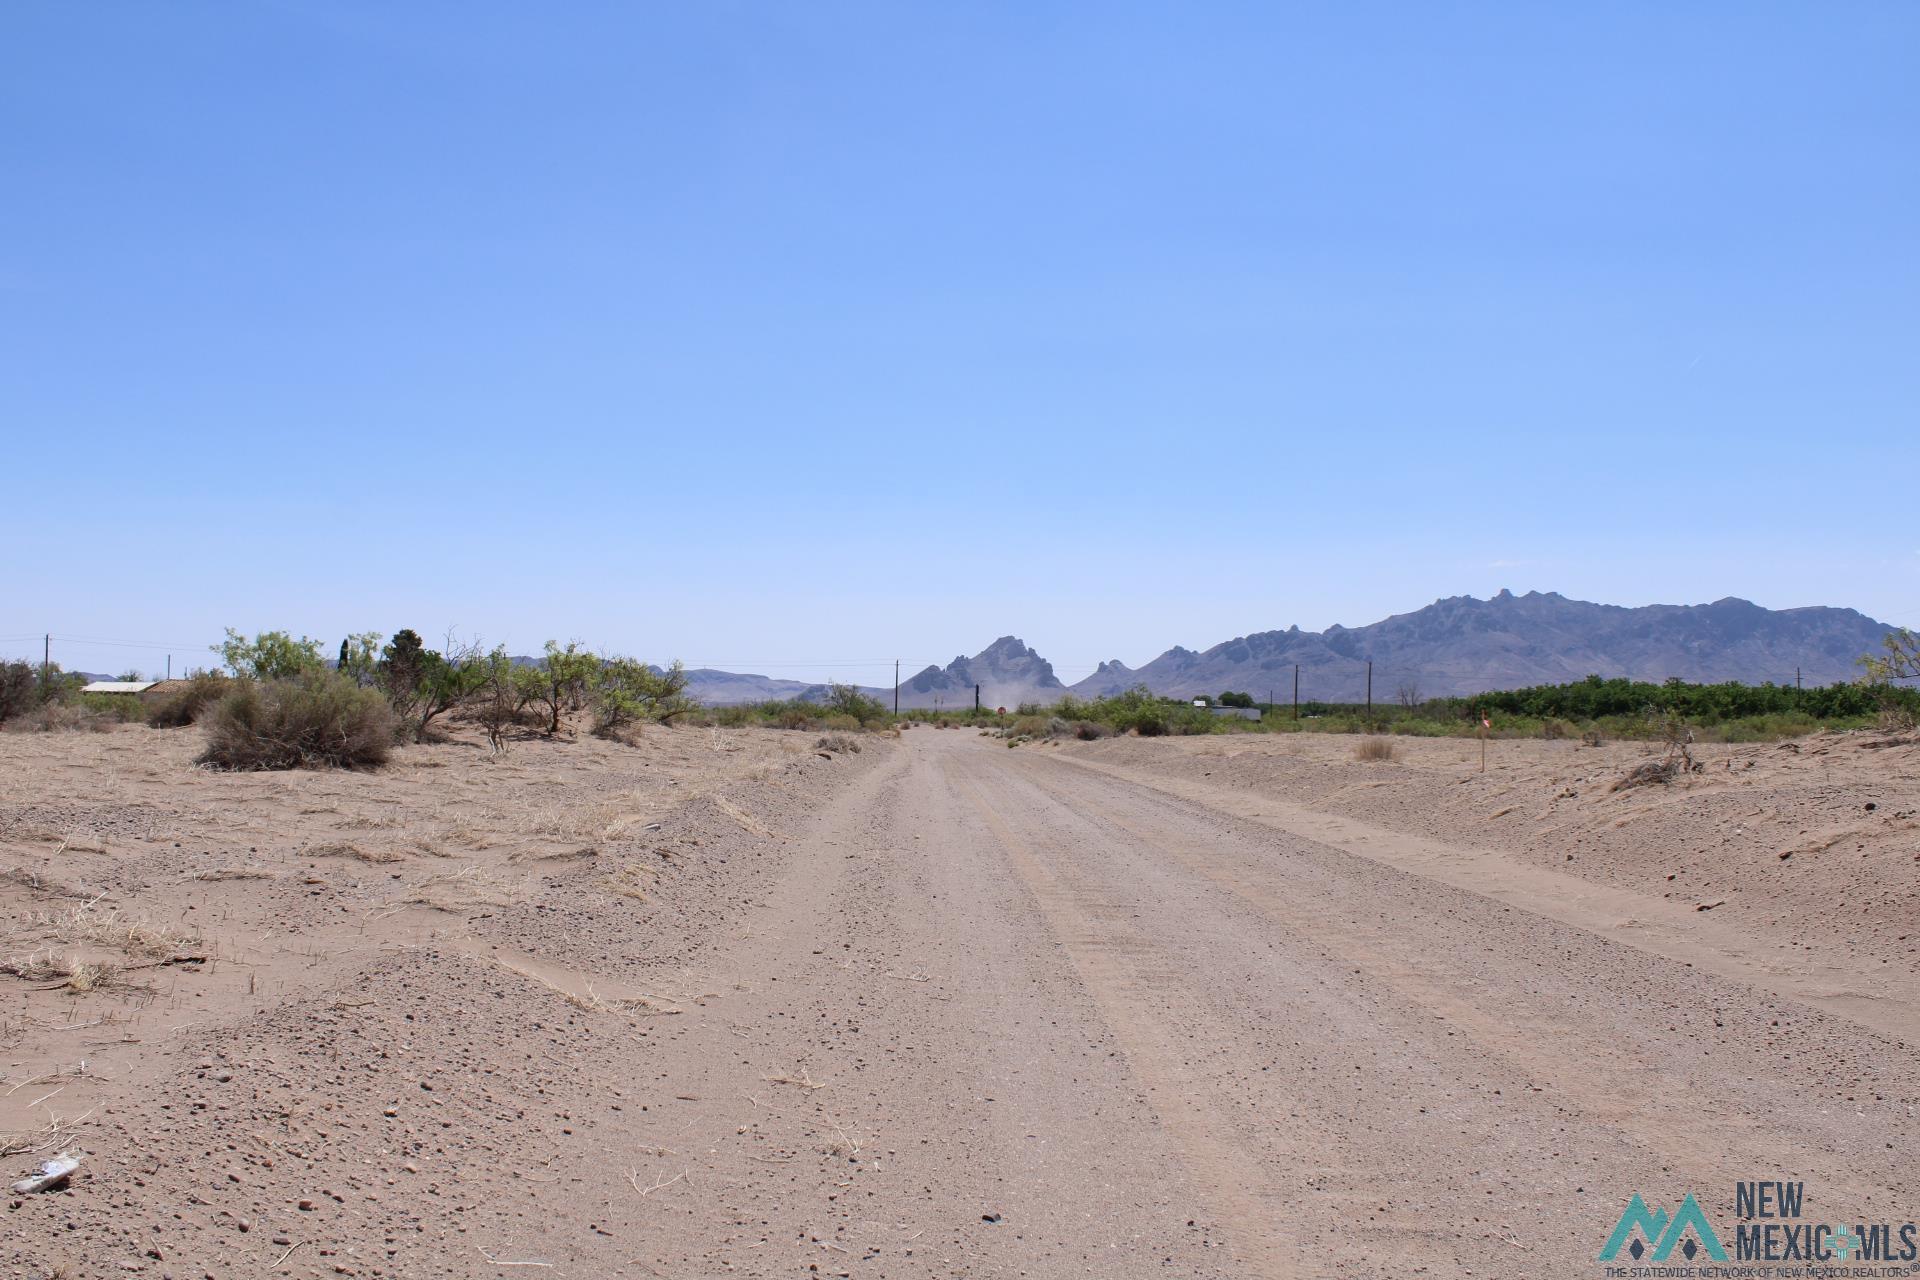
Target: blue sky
(780, 335)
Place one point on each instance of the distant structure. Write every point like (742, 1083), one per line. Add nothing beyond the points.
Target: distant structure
(119, 686)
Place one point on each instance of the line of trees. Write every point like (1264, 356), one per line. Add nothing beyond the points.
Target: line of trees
(1593, 698)
(422, 684)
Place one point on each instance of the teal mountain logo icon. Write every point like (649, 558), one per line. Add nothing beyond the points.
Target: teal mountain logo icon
(1641, 1228)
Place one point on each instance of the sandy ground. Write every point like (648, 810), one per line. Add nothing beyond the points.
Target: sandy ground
(715, 1005)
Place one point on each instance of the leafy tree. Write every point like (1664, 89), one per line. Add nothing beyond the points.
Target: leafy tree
(499, 694)
(1901, 659)
(422, 683)
(271, 655)
(360, 657)
(846, 700)
(401, 670)
(561, 682)
(629, 690)
(1236, 699)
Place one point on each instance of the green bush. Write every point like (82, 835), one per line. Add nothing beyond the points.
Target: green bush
(796, 716)
(318, 720)
(190, 701)
(846, 700)
(120, 708)
(271, 655)
(628, 690)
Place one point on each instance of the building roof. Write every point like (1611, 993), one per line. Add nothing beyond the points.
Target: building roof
(119, 686)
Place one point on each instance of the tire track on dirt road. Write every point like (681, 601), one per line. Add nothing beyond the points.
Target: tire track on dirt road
(1885, 1005)
(1580, 1064)
(1230, 1177)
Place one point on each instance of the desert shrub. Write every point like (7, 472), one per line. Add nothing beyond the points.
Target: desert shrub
(1028, 709)
(1895, 718)
(1591, 738)
(1648, 773)
(1768, 728)
(498, 701)
(422, 683)
(734, 717)
(1901, 659)
(317, 720)
(795, 717)
(190, 701)
(1032, 725)
(1148, 724)
(839, 741)
(1554, 729)
(840, 723)
(359, 658)
(61, 717)
(19, 688)
(1188, 719)
(271, 655)
(1375, 749)
(1088, 730)
(27, 686)
(117, 708)
(628, 690)
(561, 681)
(846, 700)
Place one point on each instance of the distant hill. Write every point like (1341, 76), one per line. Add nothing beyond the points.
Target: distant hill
(724, 688)
(1458, 645)
(1007, 671)
(1464, 645)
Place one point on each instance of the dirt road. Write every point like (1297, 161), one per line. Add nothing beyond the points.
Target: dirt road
(1000, 1013)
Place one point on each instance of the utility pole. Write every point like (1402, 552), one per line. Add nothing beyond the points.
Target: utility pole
(1796, 679)
(1296, 691)
(896, 688)
(976, 699)
(1369, 686)
(169, 666)
(46, 660)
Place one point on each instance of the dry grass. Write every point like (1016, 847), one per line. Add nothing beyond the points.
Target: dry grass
(88, 923)
(627, 882)
(30, 879)
(78, 976)
(89, 976)
(36, 967)
(347, 849)
(1375, 749)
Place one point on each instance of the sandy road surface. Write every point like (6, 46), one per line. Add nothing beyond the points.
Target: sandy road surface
(999, 1013)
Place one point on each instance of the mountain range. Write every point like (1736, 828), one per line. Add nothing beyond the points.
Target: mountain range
(1457, 645)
